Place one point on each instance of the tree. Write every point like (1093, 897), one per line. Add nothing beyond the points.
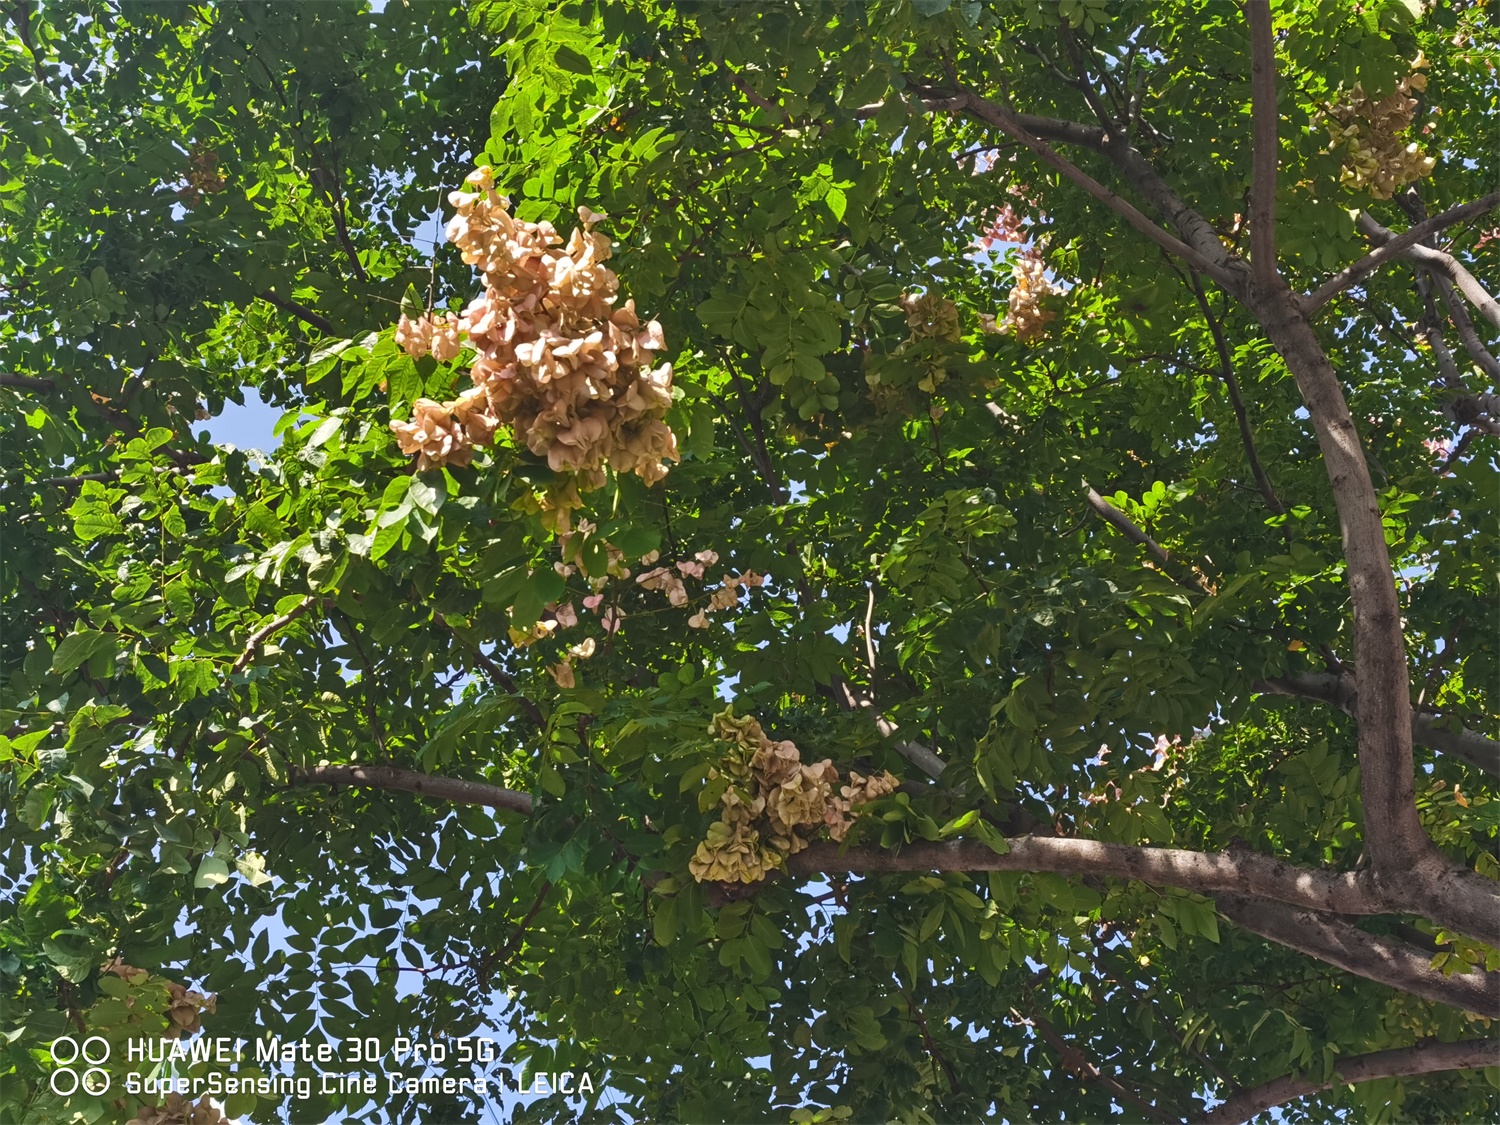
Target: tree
(1075, 532)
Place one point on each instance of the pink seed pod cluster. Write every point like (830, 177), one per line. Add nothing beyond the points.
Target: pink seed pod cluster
(774, 804)
(573, 377)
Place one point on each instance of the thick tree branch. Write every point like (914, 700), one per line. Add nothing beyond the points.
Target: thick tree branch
(300, 311)
(28, 383)
(1427, 730)
(1427, 1057)
(1204, 872)
(1380, 959)
(1395, 248)
(1393, 834)
(1264, 122)
(410, 781)
(1438, 260)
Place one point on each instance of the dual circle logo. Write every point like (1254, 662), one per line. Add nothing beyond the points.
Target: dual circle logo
(79, 1065)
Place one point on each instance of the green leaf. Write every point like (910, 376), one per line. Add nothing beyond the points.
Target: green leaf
(664, 922)
(212, 872)
(76, 648)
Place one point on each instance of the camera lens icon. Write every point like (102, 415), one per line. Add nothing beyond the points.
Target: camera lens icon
(66, 1079)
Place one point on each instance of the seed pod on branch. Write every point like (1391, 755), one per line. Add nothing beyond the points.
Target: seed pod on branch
(571, 375)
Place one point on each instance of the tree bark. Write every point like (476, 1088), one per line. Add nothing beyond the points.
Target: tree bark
(1412, 873)
(1428, 1057)
(1380, 959)
(1204, 872)
(410, 781)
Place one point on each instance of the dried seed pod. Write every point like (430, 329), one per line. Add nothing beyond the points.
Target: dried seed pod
(574, 378)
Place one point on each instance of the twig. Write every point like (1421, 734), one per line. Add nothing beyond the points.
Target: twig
(1126, 527)
(300, 311)
(1226, 374)
(1076, 1062)
(502, 956)
(870, 637)
(499, 675)
(1395, 248)
(367, 673)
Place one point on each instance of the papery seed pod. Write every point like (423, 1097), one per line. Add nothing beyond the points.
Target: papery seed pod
(572, 376)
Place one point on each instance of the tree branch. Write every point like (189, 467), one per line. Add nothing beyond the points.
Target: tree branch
(1483, 358)
(1204, 872)
(1428, 730)
(1077, 1062)
(502, 679)
(1427, 1057)
(1126, 527)
(1008, 123)
(1440, 260)
(1395, 248)
(1263, 176)
(300, 311)
(915, 753)
(28, 383)
(410, 781)
(1384, 960)
(252, 645)
(1242, 417)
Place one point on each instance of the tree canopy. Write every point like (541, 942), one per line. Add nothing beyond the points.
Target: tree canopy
(907, 560)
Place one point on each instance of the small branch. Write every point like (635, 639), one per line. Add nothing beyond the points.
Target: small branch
(1384, 960)
(502, 956)
(256, 638)
(1395, 248)
(1238, 870)
(1432, 331)
(870, 636)
(501, 678)
(754, 97)
(1427, 1057)
(1075, 1061)
(28, 383)
(366, 675)
(1428, 730)
(410, 781)
(1126, 527)
(1232, 383)
(915, 753)
(992, 114)
(1263, 176)
(69, 482)
(300, 311)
